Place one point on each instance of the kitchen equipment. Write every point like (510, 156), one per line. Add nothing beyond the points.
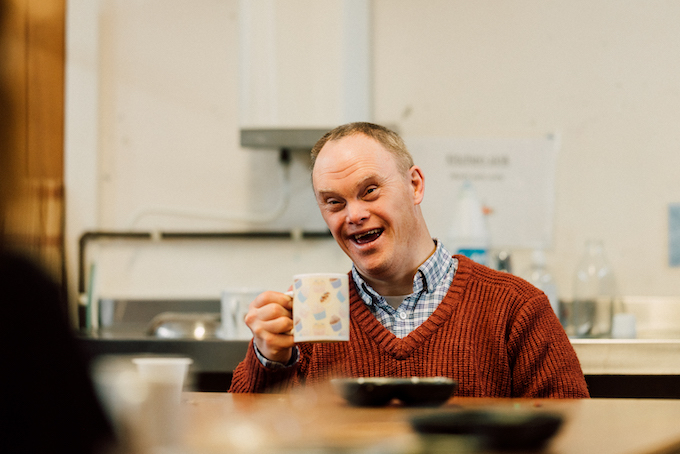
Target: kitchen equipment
(594, 294)
(185, 325)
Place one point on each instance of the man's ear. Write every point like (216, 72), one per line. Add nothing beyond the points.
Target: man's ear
(417, 180)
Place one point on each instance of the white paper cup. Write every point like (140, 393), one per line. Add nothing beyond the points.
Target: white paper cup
(170, 372)
(321, 307)
(161, 410)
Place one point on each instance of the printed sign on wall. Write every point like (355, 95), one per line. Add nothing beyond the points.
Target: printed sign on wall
(514, 178)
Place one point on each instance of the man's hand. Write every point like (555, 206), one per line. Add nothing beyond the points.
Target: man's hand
(270, 318)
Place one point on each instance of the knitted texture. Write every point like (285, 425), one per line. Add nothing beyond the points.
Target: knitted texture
(493, 332)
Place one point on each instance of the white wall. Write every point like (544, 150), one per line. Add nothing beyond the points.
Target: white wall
(604, 74)
(154, 96)
(153, 117)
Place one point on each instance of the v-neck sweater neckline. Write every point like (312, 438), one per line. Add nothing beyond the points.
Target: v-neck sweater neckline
(368, 326)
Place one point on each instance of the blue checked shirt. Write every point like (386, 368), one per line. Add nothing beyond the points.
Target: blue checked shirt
(430, 285)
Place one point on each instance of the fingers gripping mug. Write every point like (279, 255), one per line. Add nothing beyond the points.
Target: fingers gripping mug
(321, 307)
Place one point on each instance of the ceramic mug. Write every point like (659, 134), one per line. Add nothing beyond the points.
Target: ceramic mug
(321, 307)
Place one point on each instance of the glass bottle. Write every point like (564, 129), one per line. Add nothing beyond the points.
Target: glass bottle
(541, 278)
(594, 293)
(469, 233)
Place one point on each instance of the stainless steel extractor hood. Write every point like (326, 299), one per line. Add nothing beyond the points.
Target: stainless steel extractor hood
(278, 138)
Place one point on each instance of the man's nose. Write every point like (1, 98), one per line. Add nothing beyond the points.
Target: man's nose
(356, 213)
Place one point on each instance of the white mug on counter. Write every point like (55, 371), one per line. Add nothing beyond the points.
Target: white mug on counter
(623, 326)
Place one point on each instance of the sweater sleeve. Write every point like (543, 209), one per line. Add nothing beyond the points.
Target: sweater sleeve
(542, 359)
(251, 376)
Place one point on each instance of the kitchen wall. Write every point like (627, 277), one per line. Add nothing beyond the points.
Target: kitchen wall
(602, 74)
(155, 102)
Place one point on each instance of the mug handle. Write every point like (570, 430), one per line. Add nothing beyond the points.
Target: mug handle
(291, 294)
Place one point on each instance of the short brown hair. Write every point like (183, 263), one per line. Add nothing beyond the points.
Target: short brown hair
(384, 136)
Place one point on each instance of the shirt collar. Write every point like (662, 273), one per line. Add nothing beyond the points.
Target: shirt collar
(434, 269)
(426, 278)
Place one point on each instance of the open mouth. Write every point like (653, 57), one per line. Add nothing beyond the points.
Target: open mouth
(367, 237)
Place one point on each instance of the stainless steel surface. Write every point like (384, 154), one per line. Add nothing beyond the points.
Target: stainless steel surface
(185, 325)
(130, 314)
(210, 355)
(293, 138)
(131, 326)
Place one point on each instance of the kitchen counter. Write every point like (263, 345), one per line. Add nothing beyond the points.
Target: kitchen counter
(597, 356)
(214, 360)
(643, 367)
(628, 356)
(209, 355)
(613, 367)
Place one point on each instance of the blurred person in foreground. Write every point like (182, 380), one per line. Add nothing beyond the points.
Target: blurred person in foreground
(47, 400)
(415, 309)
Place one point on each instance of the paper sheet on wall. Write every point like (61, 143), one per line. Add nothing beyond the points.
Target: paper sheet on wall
(514, 178)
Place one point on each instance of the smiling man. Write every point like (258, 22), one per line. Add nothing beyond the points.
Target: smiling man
(415, 309)
(371, 203)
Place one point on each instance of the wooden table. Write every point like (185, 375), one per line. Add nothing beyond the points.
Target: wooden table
(318, 421)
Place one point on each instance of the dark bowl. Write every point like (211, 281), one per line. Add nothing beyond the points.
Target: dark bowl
(379, 391)
(497, 429)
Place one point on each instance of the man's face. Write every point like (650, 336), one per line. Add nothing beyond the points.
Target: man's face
(368, 204)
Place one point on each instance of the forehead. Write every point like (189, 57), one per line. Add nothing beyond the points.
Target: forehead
(352, 158)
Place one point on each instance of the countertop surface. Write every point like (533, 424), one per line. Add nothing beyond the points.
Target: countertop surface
(318, 422)
(628, 356)
(597, 356)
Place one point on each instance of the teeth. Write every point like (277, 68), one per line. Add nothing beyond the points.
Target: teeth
(370, 232)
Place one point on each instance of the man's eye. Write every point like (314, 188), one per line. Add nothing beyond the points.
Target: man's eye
(334, 204)
(372, 191)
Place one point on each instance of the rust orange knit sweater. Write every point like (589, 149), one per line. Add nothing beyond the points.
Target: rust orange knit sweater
(493, 332)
